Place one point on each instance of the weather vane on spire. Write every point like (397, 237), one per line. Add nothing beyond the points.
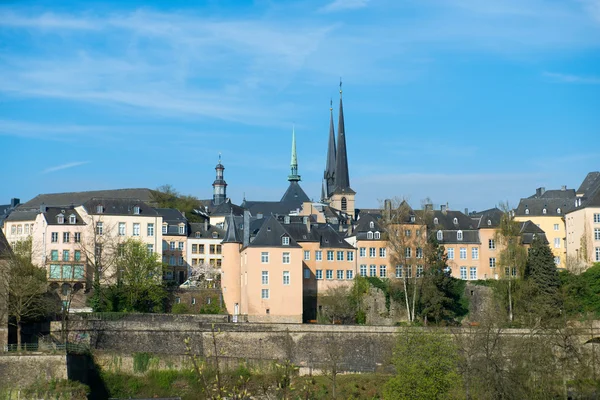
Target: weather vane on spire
(340, 85)
(330, 104)
(219, 157)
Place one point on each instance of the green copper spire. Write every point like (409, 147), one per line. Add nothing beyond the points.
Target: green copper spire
(294, 177)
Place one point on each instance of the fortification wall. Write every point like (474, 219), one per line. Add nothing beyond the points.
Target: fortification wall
(19, 371)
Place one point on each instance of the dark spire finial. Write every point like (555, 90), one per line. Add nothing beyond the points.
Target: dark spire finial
(330, 104)
(340, 86)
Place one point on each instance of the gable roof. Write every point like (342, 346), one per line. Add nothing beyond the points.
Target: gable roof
(20, 214)
(529, 230)
(270, 235)
(329, 238)
(78, 198)
(488, 218)
(51, 214)
(171, 215)
(294, 194)
(445, 220)
(591, 182)
(536, 206)
(118, 206)
(206, 232)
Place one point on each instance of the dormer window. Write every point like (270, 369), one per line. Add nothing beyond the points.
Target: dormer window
(377, 235)
(99, 209)
(215, 235)
(455, 221)
(370, 235)
(72, 219)
(286, 219)
(544, 211)
(198, 235)
(60, 219)
(489, 222)
(136, 210)
(371, 224)
(165, 229)
(440, 235)
(459, 235)
(558, 210)
(182, 229)
(527, 211)
(412, 218)
(435, 221)
(285, 240)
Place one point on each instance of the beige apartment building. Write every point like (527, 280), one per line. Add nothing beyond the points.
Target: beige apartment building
(204, 245)
(174, 247)
(583, 224)
(547, 210)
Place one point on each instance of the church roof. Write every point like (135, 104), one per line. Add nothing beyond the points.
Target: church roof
(342, 178)
(294, 194)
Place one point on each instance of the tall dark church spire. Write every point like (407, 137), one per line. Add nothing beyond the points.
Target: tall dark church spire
(342, 179)
(329, 175)
(219, 185)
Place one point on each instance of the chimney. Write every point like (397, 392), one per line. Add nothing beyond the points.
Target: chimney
(14, 202)
(205, 224)
(387, 206)
(540, 191)
(466, 211)
(428, 207)
(246, 228)
(443, 208)
(42, 208)
(563, 188)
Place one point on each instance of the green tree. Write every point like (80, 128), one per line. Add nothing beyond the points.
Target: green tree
(26, 287)
(140, 277)
(166, 196)
(513, 255)
(541, 271)
(427, 366)
(441, 295)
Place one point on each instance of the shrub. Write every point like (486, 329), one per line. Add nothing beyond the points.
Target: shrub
(180, 308)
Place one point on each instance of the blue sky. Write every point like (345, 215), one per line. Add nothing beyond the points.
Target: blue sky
(468, 102)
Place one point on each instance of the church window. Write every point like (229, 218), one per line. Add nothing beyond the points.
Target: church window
(344, 204)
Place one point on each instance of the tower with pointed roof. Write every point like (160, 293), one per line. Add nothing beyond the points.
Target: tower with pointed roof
(293, 176)
(219, 185)
(339, 194)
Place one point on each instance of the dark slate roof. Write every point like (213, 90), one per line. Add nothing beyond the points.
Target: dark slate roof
(78, 198)
(590, 183)
(204, 233)
(270, 235)
(208, 207)
(4, 209)
(445, 220)
(529, 230)
(488, 218)
(171, 215)
(450, 222)
(555, 194)
(232, 234)
(329, 237)
(5, 250)
(119, 206)
(294, 194)
(21, 214)
(364, 224)
(536, 206)
(299, 232)
(268, 208)
(51, 214)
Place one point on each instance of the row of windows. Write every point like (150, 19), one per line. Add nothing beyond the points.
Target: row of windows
(544, 211)
(135, 231)
(264, 257)
(66, 237)
(20, 229)
(172, 260)
(66, 255)
(199, 248)
(215, 262)
(331, 255)
(340, 274)
(463, 253)
(265, 277)
(58, 271)
(472, 273)
(60, 219)
(362, 252)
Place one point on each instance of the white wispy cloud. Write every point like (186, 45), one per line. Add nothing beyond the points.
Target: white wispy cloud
(64, 166)
(568, 78)
(340, 5)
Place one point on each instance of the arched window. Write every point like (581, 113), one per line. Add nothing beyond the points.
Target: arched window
(369, 235)
(455, 221)
(558, 210)
(435, 221)
(527, 211)
(344, 204)
(440, 235)
(459, 235)
(60, 219)
(371, 224)
(489, 222)
(544, 211)
(377, 235)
